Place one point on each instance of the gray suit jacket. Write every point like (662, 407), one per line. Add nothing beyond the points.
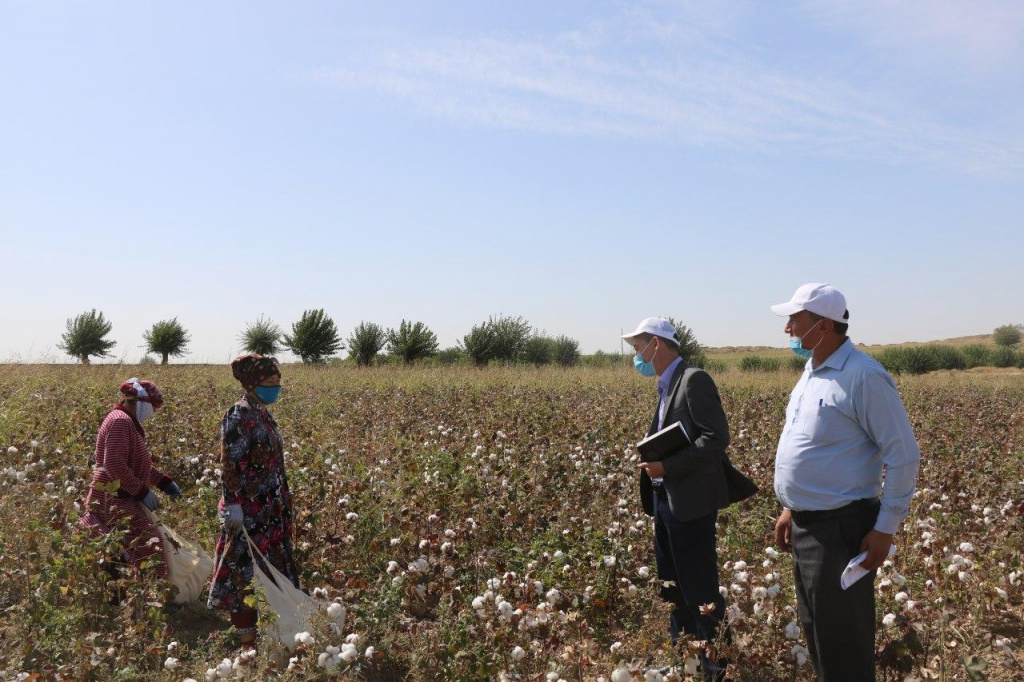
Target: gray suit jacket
(698, 479)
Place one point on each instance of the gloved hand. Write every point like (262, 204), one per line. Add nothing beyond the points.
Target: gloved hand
(232, 518)
(172, 490)
(150, 502)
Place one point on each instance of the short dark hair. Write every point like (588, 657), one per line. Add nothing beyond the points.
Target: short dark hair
(841, 327)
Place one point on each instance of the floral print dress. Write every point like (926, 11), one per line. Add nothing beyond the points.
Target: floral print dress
(253, 476)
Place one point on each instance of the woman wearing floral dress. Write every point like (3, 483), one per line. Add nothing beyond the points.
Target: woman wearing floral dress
(255, 494)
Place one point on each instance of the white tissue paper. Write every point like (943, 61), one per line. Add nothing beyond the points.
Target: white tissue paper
(854, 571)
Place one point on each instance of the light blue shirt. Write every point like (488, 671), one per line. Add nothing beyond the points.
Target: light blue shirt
(663, 385)
(845, 422)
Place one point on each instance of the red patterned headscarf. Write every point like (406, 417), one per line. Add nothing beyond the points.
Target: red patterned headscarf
(251, 369)
(141, 389)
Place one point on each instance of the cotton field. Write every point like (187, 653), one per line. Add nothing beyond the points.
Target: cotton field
(462, 524)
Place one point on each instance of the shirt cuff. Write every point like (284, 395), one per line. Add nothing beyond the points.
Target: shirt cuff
(888, 523)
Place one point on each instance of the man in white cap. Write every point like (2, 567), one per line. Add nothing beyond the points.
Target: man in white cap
(845, 424)
(685, 490)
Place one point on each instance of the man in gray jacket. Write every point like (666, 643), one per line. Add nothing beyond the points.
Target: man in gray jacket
(684, 490)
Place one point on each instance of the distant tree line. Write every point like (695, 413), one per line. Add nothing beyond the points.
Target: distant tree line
(315, 339)
(921, 359)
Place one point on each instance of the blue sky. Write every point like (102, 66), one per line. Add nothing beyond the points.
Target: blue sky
(582, 164)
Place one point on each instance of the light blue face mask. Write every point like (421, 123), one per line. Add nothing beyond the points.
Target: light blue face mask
(645, 368)
(267, 394)
(797, 345)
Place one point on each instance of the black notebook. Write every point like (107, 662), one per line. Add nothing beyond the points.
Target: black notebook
(660, 445)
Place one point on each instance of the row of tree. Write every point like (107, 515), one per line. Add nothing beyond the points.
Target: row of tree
(315, 339)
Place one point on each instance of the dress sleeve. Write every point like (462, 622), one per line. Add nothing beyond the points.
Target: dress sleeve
(236, 441)
(117, 453)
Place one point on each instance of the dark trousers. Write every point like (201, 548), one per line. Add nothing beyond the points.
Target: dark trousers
(687, 555)
(839, 624)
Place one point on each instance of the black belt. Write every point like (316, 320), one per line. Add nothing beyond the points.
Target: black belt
(805, 517)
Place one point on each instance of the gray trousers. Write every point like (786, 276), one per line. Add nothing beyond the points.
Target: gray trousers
(839, 625)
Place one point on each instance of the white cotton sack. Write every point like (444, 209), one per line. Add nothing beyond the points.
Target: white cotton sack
(294, 608)
(189, 567)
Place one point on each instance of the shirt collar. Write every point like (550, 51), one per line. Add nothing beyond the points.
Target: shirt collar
(838, 358)
(666, 377)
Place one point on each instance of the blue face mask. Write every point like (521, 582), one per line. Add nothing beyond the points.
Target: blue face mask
(267, 394)
(797, 345)
(645, 368)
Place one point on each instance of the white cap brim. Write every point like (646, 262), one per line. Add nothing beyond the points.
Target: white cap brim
(786, 309)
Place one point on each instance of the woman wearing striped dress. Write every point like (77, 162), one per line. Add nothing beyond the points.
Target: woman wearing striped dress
(124, 477)
(255, 497)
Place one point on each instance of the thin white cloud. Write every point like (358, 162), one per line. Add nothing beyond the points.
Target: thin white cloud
(638, 77)
(976, 34)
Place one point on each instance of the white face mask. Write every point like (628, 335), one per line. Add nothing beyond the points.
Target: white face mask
(143, 410)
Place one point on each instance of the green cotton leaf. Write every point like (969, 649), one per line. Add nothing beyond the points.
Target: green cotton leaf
(976, 666)
(250, 601)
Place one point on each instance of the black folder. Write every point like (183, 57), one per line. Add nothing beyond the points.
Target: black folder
(660, 445)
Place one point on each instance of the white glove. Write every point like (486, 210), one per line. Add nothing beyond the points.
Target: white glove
(232, 518)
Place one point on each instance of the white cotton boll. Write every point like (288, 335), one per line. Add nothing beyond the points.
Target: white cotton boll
(739, 566)
(370, 651)
(759, 593)
(479, 603)
(653, 676)
(304, 638)
(966, 547)
(800, 653)
(771, 552)
(352, 516)
(211, 674)
(12, 450)
(320, 593)
(901, 597)
(888, 619)
(558, 555)
(910, 605)
(171, 663)
(775, 590)
(690, 666)
(609, 561)
(446, 547)
(449, 533)
(172, 646)
(741, 576)
(1001, 592)
(538, 587)
(395, 541)
(553, 596)
(518, 654)
(392, 566)
(723, 590)
(644, 572)
(349, 652)
(736, 589)
(336, 612)
(621, 675)
(614, 648)
(792, 630)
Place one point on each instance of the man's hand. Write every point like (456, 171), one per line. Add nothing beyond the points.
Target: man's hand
(877, 545)
(784, 531)
(653, 469)
(172, 490)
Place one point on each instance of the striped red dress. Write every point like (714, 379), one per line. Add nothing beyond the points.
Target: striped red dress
(122, 455)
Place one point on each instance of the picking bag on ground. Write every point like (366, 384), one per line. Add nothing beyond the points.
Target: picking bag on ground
(294, 608)
(189, 567)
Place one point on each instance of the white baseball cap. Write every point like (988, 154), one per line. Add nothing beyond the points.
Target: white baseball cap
(820, 299)
(657, 326)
